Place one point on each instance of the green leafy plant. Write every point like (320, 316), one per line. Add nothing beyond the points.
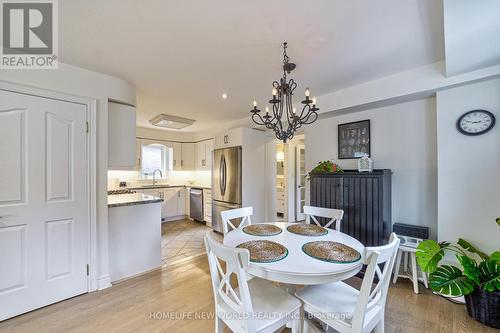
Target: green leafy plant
(326, 167)
(479, 270)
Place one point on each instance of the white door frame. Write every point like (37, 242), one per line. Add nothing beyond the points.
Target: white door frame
(297, 183)
(91, 105)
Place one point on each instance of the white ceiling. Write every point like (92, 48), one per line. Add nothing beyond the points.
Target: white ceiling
(182, 55)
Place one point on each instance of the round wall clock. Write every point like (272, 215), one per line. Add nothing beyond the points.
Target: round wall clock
(476, 122)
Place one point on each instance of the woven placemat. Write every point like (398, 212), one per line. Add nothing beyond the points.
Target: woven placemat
(262, 229)
(264, 251)
(307, 229)
(331, 252)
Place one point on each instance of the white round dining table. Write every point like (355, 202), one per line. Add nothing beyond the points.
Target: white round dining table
(298, 267)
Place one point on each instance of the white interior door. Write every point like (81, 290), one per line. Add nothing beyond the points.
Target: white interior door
(44, 204)
(301, 175)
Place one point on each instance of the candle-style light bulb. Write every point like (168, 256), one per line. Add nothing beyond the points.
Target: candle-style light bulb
(314, 100)
(307, 92)
(294, 110)
(275, 92)
(254, 104)
(267, 110)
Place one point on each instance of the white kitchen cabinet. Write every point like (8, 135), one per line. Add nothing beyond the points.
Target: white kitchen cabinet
(181, 201)
(138, 154)
(200, 155)
(207, 206)
(231, 138)
(177, 155)
(169, 205)
(121, 136)
(204, 151)
(209, 151)
(188, 156)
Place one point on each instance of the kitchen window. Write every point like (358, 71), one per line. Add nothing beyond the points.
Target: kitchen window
(154, 156)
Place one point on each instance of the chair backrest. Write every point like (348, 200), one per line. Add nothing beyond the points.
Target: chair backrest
(370, 297)
(335, 215)
(224, 262)
(239, 213)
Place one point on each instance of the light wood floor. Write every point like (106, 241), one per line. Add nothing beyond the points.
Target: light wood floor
(185, 289)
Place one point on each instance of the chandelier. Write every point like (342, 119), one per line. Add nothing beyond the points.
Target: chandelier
(284, 119)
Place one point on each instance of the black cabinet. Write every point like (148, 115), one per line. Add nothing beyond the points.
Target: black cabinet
(365, 199)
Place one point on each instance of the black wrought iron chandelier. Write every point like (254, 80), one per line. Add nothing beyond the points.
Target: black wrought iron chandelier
(282, 106)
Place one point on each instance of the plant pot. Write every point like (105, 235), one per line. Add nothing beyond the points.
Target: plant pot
(484, 307)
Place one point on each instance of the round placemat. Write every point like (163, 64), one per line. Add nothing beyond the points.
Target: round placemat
(264, 251)
(307, 229)
(331, 252)
(262, 229)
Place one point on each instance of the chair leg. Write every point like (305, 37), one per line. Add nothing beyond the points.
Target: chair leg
(380, 326)
(219, 325)
(396, 267)
(414, 272)
(424, 277)
(308, 327)
(297, 326)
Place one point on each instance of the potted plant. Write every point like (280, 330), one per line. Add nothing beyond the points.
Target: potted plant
(478, 280)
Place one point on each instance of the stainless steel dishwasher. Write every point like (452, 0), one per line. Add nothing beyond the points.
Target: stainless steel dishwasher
(196, 204)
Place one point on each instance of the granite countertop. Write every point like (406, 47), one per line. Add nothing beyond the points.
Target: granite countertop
(121, 200)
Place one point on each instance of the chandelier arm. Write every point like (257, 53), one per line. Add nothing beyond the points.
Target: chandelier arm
(259, 120)
(305, 115)
(307, 121)
(277, 117)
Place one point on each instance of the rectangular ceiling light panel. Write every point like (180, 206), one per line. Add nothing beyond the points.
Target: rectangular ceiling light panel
(172, 122)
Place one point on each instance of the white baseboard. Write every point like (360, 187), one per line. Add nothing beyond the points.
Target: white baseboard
(104, 282)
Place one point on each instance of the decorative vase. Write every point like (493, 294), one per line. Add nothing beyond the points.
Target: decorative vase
(484, 307)
(365, 164)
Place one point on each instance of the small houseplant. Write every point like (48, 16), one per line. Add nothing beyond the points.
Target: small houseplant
(478, 280)
(326, 167)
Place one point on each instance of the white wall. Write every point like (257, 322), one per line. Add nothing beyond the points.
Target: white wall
(81, 82)
(469, 168)
(403, 138)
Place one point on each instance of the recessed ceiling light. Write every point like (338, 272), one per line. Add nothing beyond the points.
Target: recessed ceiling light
(224, 96)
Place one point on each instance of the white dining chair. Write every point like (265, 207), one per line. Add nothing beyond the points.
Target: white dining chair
(244, 214)
(335, 215)
(347, 309)
(253, 306)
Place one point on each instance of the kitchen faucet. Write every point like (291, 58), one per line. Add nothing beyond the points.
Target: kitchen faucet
(154, 174)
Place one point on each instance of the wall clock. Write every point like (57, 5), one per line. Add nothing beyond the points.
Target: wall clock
(476, 122)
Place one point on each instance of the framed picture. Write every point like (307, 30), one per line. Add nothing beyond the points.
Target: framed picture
(354, 139)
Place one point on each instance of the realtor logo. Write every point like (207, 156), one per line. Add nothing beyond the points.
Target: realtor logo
(29, 34)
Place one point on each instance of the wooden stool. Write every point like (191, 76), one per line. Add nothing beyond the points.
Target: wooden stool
(409, 259)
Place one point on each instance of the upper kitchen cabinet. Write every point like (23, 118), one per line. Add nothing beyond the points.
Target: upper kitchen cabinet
(188, 150)
(231, 138)
(176, 155)
(204, 151)
(121, 137)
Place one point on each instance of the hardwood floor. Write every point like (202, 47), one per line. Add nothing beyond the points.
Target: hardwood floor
(163, 300)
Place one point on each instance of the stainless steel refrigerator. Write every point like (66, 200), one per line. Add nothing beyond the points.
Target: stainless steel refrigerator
(226, 183)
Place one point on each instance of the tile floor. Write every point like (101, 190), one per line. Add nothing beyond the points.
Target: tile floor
(182, 240)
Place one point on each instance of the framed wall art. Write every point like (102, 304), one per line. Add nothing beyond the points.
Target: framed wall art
(354, 139)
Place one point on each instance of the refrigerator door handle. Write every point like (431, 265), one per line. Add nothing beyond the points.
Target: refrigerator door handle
(223, 175)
